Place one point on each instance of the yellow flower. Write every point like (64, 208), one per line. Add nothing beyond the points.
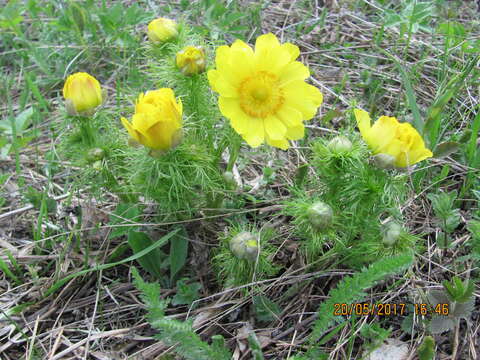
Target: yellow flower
(191, 60)
(82, 93)
(388, 136)
(161, 30)
(157, 122)
(263, 92)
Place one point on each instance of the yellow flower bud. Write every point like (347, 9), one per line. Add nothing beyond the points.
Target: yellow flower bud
(191, 60)
(157, 122)
(82, 93)
(161, 30)
(388, 136)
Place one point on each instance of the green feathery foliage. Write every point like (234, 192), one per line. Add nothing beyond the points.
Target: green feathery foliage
(97, 147)
(352, 288)
(179, 181)
(361, 197)
(232, 271)
(426, 351)
(174, 332)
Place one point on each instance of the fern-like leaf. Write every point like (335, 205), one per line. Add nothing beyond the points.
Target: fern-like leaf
(352, 289)
(174, 332)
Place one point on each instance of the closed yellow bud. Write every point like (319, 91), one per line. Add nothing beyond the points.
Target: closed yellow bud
(191, 60)
(82, 93)
(161, 30)
(157, 122)
(390, 137)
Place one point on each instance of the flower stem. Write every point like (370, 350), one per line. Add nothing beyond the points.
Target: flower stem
(86, 131)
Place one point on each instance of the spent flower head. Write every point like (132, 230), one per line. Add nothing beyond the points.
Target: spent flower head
(157, 122)
(263, 91)
(390, 137)
(82, 93)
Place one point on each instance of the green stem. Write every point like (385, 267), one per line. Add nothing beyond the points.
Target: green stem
(234, 151)
(86, 130)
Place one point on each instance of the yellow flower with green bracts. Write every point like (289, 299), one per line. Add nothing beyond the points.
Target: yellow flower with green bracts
(157, 122)
(191, 60)
(82, 93)
(388, 136)
(262, 92)
(161, 30)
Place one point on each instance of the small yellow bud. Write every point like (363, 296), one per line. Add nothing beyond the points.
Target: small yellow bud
(82, 93)
(339, 144)
(161, 30)
(245, 246)
(191, 60)
(320, 215)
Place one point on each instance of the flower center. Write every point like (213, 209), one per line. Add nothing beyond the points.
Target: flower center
(260, 94)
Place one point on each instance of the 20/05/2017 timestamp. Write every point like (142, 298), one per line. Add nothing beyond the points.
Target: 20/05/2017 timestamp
(387, 309)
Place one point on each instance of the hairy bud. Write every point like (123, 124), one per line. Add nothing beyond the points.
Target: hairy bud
(320, 215)
(245, 246)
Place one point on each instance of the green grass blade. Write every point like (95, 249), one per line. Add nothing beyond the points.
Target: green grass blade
(162, 241)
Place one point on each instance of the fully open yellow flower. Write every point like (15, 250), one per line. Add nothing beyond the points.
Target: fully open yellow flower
(82, 93)
(191, 60)
(388, 136)
(161, 30)
(263, 92)
(157, 122)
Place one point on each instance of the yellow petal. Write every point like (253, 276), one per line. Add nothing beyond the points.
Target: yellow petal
(265, 43)
(281, 144)
(382, 133)
(219, 85)
(363, 121)
(230, 108)
(296, 132)
(255, 133)
(303, 97)
(274, 128)
(293, 50)
(130, 129)
(293, 71)
(291, 117)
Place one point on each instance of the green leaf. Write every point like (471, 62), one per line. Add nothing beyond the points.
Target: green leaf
(426, 351)
(178, 252)
(36, 198)
(139, 241)
(445, 149)
(352, 289)
(186, 293)
(412, 102)
(265, 309)
(124, 214)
